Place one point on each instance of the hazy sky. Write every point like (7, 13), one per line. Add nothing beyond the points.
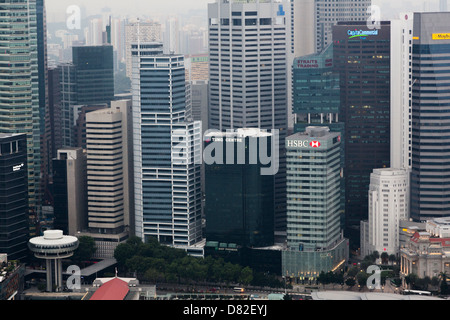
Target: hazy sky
(56, 9)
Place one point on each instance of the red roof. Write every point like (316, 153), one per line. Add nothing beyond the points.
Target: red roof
(114, 289)
(444, 241)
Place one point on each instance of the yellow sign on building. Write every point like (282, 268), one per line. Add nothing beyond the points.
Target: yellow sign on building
(441, 36)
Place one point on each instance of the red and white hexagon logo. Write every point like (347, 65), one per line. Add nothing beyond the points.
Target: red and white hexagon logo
(315, 144)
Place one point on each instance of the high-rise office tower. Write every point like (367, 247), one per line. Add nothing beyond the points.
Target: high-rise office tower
(14, 232)
(362, 59)
(315, 241)
(88, 80)
(388, 205)
(248, 44)
(166, 173)
(19, 86)
(317, 99)
(172, 36)
(109, 176)
(430, 178)
(401, 91)
(314, 168)
(69, 185)
(312, 21)
(139, 31)
(239, 199)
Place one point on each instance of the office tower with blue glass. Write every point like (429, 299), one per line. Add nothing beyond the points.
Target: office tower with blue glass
(315, 239)
(19, 87)
(87, 80)
(248, 46)
(167, 153)
(430, 186)
(14, 228)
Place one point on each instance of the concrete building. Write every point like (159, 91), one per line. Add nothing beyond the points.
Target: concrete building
(109, 176)
(142, 31)
(425, 256)
(388, 205)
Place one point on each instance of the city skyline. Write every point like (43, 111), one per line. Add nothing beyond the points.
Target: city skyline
(56, 9)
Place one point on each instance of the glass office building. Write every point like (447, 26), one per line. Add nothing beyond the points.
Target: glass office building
(167, 152)
(14, 230)
(87, 80)
(362, 60)
(248, 76)
(430, 178)
(239, 199)
(19, 85)
(315, 241)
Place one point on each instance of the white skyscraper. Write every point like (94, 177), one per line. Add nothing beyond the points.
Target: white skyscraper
(388, 204)
(167, 153)
(401, 91)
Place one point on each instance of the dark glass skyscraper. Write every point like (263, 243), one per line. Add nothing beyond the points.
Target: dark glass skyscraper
(430, 177)
(362, 60)
(88, 80)
(14, 230)
(239, 199)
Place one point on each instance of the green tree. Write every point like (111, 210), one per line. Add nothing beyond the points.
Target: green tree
(362, 278)
(350, 282)
(384, 257)
(246, 276)
(86, 249)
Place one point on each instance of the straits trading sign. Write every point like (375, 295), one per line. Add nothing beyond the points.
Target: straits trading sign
(362, 34)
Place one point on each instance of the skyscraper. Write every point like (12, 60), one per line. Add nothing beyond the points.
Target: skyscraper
(239, 199)
(315, 241)
(141, 31)
(248, 44)
(69, 185)
(362, 60)
(14, 228)
(430, 197)
(388, 204)
(166, 173)
(19, 86)
(313, 20)
(88, 80)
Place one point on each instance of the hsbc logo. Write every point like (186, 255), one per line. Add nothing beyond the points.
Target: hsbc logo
(303, 144)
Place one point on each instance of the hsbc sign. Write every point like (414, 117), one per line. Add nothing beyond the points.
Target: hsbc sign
(303, 144)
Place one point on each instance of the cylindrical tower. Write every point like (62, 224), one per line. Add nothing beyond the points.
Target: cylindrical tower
(53, 247)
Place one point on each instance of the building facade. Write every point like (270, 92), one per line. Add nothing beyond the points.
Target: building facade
(362, 59)
(249, 45)
(238, 197)
(13, 196)
(430, 106)
(19, 100)
(69, 191)
(388, 205)
(167, 153)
